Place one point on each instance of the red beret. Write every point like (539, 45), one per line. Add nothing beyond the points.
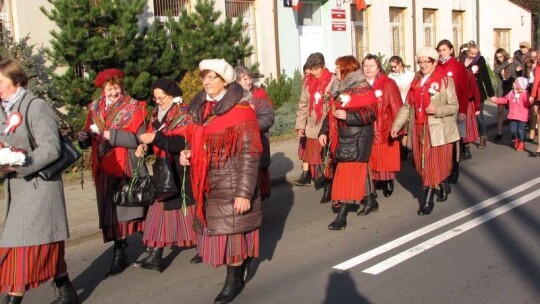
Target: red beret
(105, 75)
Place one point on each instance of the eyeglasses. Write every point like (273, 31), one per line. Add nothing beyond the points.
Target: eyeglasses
(393, 66)
(500, 56)
(160, 99)
(424, 62)
(209, 77)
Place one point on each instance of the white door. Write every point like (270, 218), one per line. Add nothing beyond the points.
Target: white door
(309, 30)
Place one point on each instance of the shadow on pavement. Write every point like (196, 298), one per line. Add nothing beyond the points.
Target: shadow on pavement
(341, 289)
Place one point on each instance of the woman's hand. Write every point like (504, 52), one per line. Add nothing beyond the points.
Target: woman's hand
(241, 205)
(301, 133)
(107, 135)
(531, 100)
(394, 133)
(141, 150)
(6, 169)
(493, 99)
(467, 61)
(430, 109)
(340, 114)
(185, 156)
(147, 138)
(323, 139)
(461, 116)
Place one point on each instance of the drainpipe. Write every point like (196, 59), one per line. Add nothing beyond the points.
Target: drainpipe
(414, 31)
(276, 41)
(478, 23)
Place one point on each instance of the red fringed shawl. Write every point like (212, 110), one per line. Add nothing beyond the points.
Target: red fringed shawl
(314, 86)
(420, 95)
(125, 114)
(174, 122)
(218, 139)
(362, 100)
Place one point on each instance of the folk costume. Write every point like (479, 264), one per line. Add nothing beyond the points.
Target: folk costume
(350, 142)
(385, 158)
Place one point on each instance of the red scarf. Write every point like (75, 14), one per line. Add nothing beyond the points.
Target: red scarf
(422, 93)
(314, 86)
(174, 123)
(218, 139)
(126, 114)
(362, 100)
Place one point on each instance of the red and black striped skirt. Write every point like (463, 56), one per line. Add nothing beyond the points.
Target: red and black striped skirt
(227, 249)
(22, 268)
(433, 164)
(264, 182)
(309, 151)
(349, 181)
(471, 128)
(121, 230)
(385, 160)
(164, 228)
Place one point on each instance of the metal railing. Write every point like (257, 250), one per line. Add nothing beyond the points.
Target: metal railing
(6, 16)
(245, 9)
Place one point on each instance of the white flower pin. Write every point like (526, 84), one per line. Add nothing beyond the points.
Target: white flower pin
(94, 128)
(378, 93)
(345, 99)
(450, 74)
(177, 99)
(317, 97)
(433, 88)
(474, 69)
(516, 96)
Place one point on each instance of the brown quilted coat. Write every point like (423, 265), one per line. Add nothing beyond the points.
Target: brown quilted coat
(234, 177)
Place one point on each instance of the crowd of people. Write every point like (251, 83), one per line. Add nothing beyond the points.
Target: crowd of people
(356, 125)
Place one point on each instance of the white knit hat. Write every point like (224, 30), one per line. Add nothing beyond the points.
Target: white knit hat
(221, 67)
(428, 52)
(521, 83)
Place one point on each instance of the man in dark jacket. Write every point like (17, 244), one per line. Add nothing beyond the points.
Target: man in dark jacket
(521, 57)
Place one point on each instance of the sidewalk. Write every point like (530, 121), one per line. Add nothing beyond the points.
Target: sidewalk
(81, 204)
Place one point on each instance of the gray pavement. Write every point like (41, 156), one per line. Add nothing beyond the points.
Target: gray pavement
(285, 167)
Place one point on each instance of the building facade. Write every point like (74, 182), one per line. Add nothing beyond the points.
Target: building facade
(282, 36)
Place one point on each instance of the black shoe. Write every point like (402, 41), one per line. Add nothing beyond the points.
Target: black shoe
(341, 219)
(444, 190)
(454, 175)
(66, 292)
(304, 180)
(427, 206)
(497, 137)
(388, 188)
(232, 287)
(370, 204)
(152, 261)
(246, 269)
(327, 191)
(196, 259)
(120, 261)
(12, 299)
(466, 153)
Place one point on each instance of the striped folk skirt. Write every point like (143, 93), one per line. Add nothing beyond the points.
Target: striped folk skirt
(227, 249)
(350, 181)
(22, 268)
(385, 160)
(309, 151)
(121, 230)
(437, 161)
(471, 126)
(164, 228)
(264, 182)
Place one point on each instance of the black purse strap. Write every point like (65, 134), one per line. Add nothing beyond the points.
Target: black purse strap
(28, 130)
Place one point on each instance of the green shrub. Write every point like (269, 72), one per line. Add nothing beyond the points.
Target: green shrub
(285, 119)
(279, 90)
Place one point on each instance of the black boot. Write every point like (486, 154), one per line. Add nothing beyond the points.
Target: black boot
(66, 292)
(444, 190)
(196, 259)
(12, 299)
(388, 188)
(304, 180)
(427, 206)
(120, 261)
(466, 154)
(246, 270)
(454, 175)
(232, 287)
(152, 260)
(370, 204)
(341, 219)
(327, 191)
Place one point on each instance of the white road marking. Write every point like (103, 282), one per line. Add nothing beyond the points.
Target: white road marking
(422, 231)
(411, 252)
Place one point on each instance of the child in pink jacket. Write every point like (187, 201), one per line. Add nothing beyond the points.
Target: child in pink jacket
(518, 115)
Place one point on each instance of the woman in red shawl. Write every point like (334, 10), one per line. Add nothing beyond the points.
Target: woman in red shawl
(348, 130)
(169, 221)
(112, 126)
(385, 158)
(431, 110)
(225, 149)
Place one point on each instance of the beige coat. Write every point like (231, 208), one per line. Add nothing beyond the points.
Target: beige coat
(308, 121)
(443, 124)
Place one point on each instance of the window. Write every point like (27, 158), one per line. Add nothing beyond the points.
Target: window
(501, 38)
(310, 14)
(246, 9)
(5, 16)
(397, 33)
(172, 7)
(430, 39)
(359, 32)
(457, 28)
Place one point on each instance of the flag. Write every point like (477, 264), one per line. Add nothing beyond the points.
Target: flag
(296, 5)
(360, 5)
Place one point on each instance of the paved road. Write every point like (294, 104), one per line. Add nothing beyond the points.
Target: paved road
(487, 254)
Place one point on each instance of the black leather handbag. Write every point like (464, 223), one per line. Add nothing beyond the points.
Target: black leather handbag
(68, 156)
(135, 191)
(165, 185)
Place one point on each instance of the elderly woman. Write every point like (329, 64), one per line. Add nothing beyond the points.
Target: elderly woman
(169, 220)
(312, 108)
(35, 227)
(348, 130)
(265, 115)
(112, 126)
(225, 150)
(384, 161)
(431, 110)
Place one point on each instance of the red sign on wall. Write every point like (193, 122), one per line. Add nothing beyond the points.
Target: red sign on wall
(338, 26)
(338, 13)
